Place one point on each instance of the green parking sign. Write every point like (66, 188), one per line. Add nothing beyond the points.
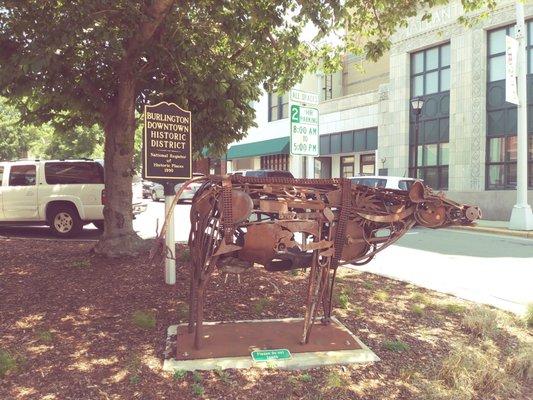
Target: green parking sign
(295, 113)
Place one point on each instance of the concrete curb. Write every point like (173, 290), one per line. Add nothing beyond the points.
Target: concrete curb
(496, 231)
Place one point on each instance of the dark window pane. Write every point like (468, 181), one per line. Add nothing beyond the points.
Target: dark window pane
(285, 110)
(324, 144)
(432, 58)
(274, 113)
(511, 175)
(496, 68)
(431, 177)
(323, 167)
(335, 143)
(22, 175)
(430, 151)
(432, 82)
(443, 178)
(510, 150)
(445, 79)
(418, 86)
(360, 141)
(372, 139)
(73, 173)
(418, 62)
(347, 166)
(347, 142)
(445, 55)
(496, 176)
(420, 156)
(497, 41)
(444, 152)
(497, 150)
(368, 164)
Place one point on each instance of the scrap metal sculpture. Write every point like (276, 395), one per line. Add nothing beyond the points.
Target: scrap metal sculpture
(284, 224)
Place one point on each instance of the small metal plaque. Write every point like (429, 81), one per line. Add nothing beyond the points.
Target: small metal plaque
(271, 355)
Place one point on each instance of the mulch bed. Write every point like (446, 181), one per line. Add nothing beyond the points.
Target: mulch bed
(67, 315)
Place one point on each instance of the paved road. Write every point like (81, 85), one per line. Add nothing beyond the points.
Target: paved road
(145, 224)
(486, 268)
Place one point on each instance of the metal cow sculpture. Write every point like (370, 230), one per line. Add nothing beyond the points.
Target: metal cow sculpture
(284, 223)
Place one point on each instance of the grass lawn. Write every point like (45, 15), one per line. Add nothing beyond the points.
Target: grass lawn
(76, 326)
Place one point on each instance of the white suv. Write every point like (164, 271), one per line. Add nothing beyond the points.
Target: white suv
(62, 194)
(389, 182)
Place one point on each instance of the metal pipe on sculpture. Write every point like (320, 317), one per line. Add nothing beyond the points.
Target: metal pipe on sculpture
(286, 223)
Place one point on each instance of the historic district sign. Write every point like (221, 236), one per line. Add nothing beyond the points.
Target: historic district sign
(167, 142)
(304, 124)
(271, 355)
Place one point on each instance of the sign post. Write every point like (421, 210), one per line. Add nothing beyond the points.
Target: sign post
(521, 215)
(304, 126)
(167, 159)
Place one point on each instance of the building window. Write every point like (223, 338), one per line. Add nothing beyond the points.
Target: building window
(327, 87)
(279, 162)
(368, 164)
(501, 147)
(430, 80)
(433, 163)
(430, 71)
(323, 167)
(347, 166)
(278, 106)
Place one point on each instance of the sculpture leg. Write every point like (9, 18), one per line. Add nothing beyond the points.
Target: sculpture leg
(200, 301)
(199, 315)
(313, 297)
(327, 298)
(193, 290)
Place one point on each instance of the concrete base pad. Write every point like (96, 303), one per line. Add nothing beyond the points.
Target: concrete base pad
(229, 344)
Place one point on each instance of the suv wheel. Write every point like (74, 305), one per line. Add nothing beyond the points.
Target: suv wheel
(64, 221)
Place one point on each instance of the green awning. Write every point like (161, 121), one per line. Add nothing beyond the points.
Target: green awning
(262, 148)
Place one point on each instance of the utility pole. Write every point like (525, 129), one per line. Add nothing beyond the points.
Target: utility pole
(521, 216)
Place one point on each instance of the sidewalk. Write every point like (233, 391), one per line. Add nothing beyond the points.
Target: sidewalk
(495, 227)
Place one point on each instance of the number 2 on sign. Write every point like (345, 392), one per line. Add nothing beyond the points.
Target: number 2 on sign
(295, 114)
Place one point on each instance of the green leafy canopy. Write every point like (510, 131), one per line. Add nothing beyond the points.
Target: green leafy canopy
(61, 61)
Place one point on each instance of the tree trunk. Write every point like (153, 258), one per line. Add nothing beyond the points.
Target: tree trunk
(119, 238)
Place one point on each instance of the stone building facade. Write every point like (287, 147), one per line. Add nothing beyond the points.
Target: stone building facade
(465, 140)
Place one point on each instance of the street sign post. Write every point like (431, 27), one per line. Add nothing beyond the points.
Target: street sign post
(303, 98)
(167, 159)
(304, 131)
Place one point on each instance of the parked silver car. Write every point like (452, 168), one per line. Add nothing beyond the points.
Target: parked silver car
(158, 192)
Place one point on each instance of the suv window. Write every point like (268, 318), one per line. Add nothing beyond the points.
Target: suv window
(1, 174)
(73, 173)
(22, 175)
(371, 182)
(405, 184)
